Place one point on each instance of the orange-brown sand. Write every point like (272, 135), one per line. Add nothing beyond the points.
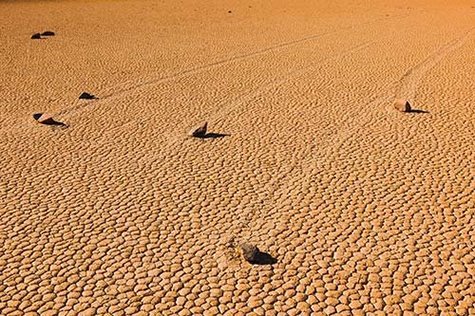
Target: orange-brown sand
(364, 208)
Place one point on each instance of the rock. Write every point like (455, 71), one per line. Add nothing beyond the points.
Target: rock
(402, 105)
(199, 130)
(36, 116)
(48, 33)
(253, 255)
(87, 96)
(249, 252)
(46, 119)
(43, 118)
(36, 36)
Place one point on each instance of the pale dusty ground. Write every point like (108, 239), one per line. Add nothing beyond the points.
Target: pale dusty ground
(364, 208)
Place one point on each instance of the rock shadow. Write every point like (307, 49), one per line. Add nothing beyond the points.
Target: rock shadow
(214, 135)
(417, 111)
(263, 258)
(48, 33)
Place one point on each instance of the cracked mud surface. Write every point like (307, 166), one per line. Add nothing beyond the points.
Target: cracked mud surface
(365, 209)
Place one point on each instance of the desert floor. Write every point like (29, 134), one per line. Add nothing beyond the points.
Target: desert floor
(365, 209)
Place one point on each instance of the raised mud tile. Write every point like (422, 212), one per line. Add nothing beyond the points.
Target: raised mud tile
(227, 257)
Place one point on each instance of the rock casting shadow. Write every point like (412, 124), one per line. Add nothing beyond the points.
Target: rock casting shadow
(50, 121)
(37, 116)
(87, 96)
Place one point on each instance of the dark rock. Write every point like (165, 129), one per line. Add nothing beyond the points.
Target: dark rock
(37, 116)
(249, 252)
(48, 33)
(36, 36)
(87, 96)
(199, 130)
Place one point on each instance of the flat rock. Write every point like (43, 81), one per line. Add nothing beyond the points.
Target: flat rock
(402, 105)
(199, 130)
(43, 118)
(46, 119)
(87, 96)
(36, 36)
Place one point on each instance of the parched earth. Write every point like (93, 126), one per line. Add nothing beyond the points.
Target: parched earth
(365, 210)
